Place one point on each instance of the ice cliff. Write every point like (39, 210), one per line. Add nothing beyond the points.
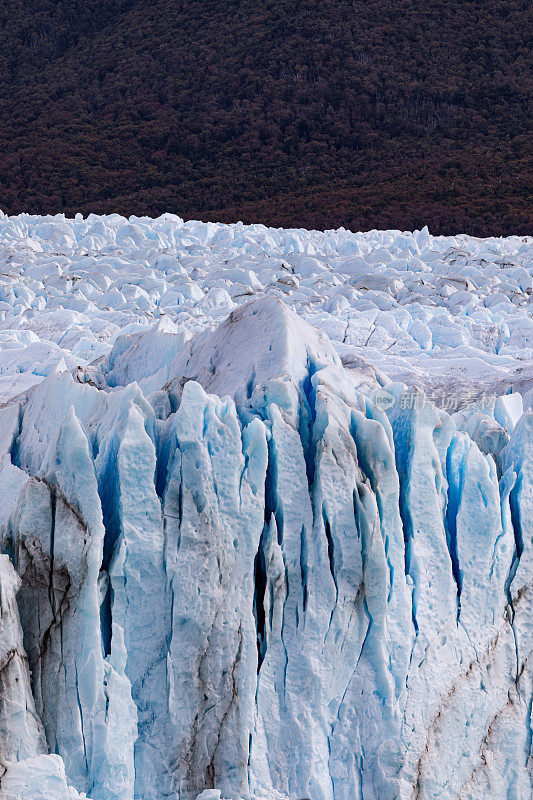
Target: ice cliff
(241, 562)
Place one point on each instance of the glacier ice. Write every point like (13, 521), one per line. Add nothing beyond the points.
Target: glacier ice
(250, 549)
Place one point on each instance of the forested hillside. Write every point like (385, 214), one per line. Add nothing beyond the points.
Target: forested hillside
(383, 113)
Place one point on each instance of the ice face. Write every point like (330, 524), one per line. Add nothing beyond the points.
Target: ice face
(238, 561)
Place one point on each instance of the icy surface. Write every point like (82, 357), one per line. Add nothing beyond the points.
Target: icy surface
(266, 503)
(448, 314)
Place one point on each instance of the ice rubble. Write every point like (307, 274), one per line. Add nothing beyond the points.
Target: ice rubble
(447, 314)
(227, 562)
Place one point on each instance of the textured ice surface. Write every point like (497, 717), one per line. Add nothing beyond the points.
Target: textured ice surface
(266, 503)
(448, 314)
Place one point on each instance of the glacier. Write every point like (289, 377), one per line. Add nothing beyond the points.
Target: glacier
(266, 503)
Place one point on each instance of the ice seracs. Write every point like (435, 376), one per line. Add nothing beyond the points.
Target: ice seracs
(239, 561)
(451, 315)
(263, 339)
(145, 357)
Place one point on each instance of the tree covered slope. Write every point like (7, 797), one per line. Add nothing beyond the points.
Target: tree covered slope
(384, 113)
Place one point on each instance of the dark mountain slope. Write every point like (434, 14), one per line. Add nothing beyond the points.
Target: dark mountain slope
(385, 113)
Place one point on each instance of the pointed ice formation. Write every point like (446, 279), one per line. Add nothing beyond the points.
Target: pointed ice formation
(262, 340)
(256, 583)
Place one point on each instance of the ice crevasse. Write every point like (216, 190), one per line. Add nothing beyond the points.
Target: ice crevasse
(254, 582)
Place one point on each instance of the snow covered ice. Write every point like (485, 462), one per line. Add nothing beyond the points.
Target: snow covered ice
(266, 504)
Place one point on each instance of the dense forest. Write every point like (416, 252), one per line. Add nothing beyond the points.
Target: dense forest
(366, 114)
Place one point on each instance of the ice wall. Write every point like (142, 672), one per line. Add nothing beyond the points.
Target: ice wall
(256, 580)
